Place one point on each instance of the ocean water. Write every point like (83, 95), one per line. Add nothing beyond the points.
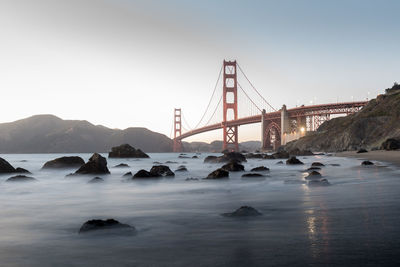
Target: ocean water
(353, 222)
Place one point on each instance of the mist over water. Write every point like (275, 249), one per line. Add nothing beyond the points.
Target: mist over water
(353, 222)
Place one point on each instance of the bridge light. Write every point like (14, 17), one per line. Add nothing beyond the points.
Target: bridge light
(302, 129)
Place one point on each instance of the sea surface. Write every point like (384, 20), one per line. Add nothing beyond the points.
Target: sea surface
(353, 222)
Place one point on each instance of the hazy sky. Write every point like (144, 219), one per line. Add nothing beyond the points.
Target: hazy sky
(129, 63)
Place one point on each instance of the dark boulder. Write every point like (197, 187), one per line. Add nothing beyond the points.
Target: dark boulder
(64, 162)
(233, 166)
(161, 170)
(227, 157)
(313, 169)
(391, 144)
(195, 157)
(362, 150)
(122, 165)
(260, 169)
(252, 175)
(335, 164)
(218, 174)
(183, 157)
(109, 224)
(211, 159)
(367, 163)
(6, 167)
(244, 211)
(96, 165)
(21, 178)
(280, 162)
(126, 151)
(293, 161)
(142, 174)
(96, 180)
(317, 164)
(22, 170)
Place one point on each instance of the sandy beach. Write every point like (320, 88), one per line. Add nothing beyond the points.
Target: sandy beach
(380, 155)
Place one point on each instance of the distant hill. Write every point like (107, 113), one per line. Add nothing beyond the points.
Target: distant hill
(368, 128)
(50, 134)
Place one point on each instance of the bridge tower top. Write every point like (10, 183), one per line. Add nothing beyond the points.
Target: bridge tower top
(230, 104)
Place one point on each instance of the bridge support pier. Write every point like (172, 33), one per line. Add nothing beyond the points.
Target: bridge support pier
(285, 123)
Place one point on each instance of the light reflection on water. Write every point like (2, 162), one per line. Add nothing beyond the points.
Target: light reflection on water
(352, 222)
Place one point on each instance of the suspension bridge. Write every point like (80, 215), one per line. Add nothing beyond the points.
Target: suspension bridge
(240, 107)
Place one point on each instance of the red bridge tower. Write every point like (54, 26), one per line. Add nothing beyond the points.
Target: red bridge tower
(230, 104)
(177, 130)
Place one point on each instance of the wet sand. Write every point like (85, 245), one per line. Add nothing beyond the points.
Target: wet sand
(379, 155)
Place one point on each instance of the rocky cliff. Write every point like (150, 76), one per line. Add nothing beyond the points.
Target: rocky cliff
(368, 128)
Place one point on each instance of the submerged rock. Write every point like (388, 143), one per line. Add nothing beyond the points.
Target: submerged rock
(21, 178)
(127, 174)
(367, 163)
(96, 180)
(96, 165)
(22, 170)
(6, 167)
(244, 211)
(317, 164)
(191, 179)
(218, 174)
(294, 181)
(260, 169)
(313, 169)
(109, 224)
(318, 182)
(313, 175)
(64, 162)
(181, 169)
(280, 162)
(252, 175)
(293, 161)
(233, 166)
(122, 165)
(126, 151)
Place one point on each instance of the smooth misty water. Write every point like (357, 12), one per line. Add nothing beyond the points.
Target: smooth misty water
(353, 222)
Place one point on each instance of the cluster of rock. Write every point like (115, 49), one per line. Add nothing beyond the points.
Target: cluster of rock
(314, 178)
(155, 172)
(126, 151)
(6, 167)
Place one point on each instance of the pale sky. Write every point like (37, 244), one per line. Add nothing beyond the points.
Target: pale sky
(130, 63)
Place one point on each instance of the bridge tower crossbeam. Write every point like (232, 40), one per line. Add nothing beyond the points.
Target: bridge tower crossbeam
(230, 102)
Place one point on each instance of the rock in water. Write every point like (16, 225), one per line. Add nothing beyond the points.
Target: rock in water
(244, 211)
(127, 174)
(64, 162)
(317, 164)
(280, 162)
(218, 174)
(233, 166)
(391, 144)
(181, 169)
(367, 163)
(362, 150)
(313, 175)
(96, 180)
(96, 165)
(126, 151)
(21, 178)
(6, 167)
(313, 169)
(318, 182)
(281, 155)
(142, 174)
(252, 175)
(109, 224)
(161, 170)
(227, 157)
(293, 161)
(260, 169)
(122, 165)
(22, 170)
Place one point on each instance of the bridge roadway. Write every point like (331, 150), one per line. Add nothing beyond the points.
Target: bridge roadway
(302, 111)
